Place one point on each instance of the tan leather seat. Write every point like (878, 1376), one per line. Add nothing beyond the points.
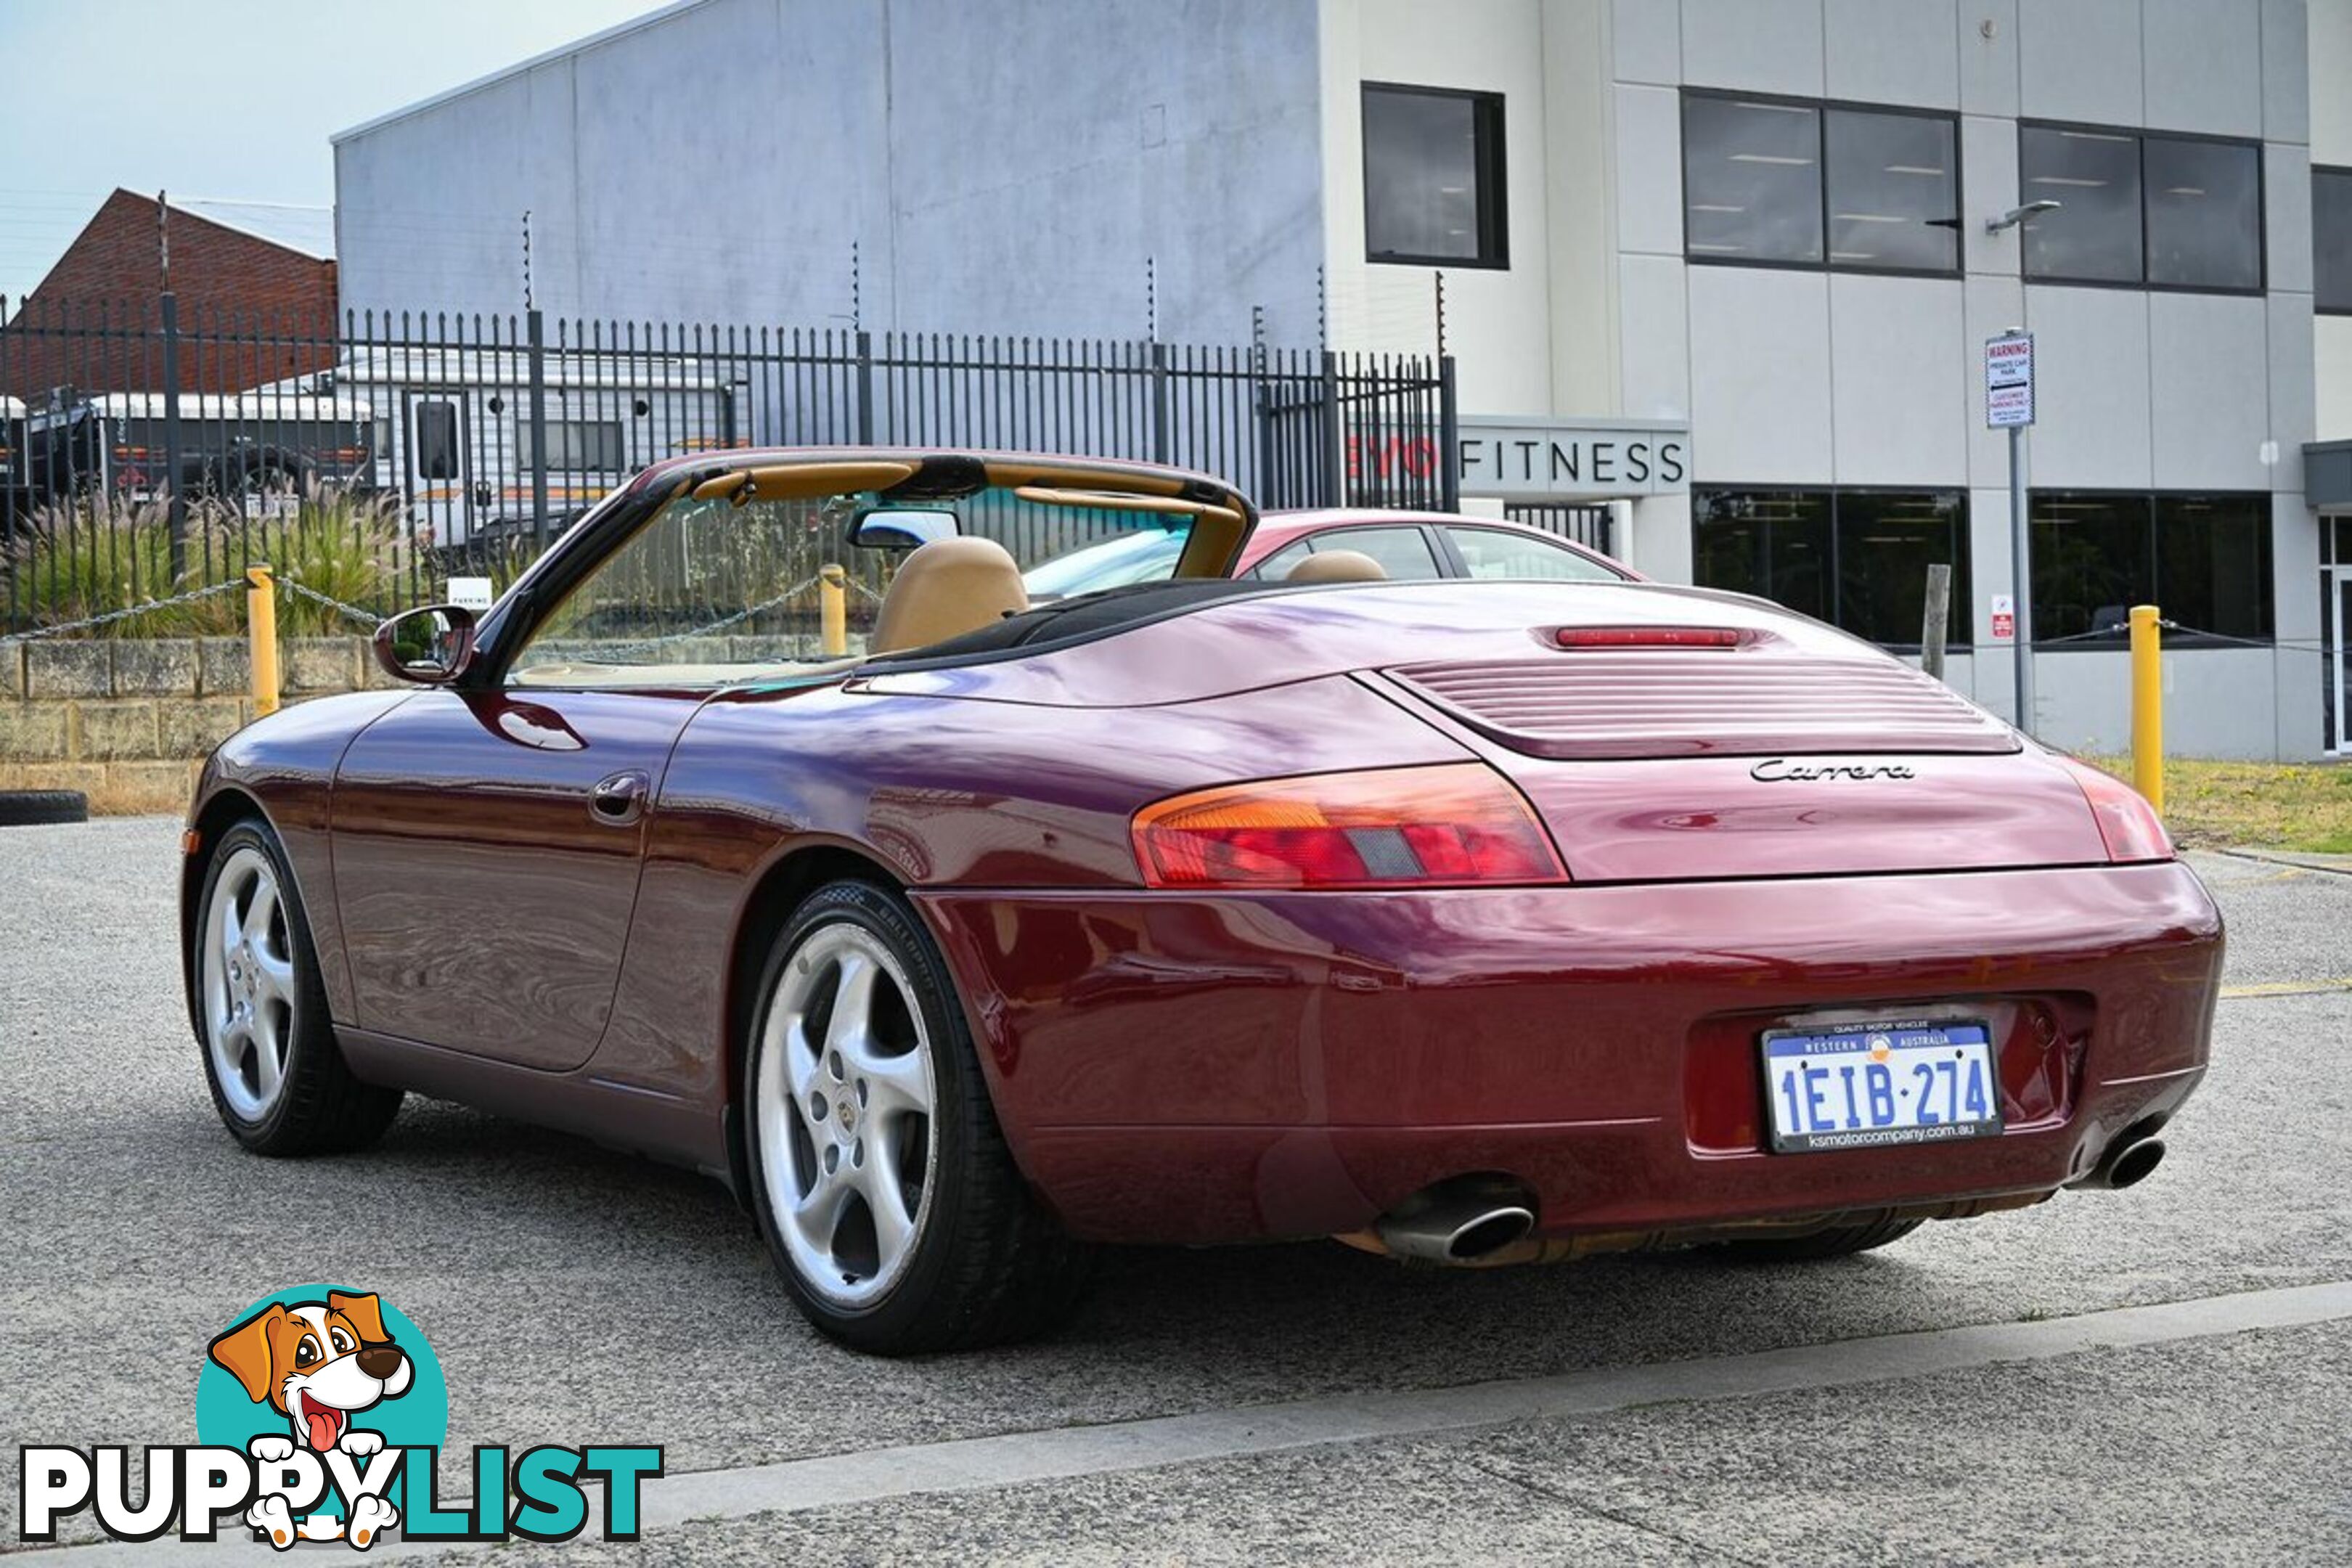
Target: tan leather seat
(1337, 566)
(945, 589)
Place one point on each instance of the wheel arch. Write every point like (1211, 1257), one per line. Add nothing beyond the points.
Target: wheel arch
(224, 809)
(779, 891)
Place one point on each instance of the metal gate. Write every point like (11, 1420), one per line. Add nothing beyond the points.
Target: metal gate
(1589, 524)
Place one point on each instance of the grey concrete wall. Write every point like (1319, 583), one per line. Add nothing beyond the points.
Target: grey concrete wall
(1000, 169)
(1800, 378)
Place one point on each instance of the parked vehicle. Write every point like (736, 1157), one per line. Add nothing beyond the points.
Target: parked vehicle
(269, 440)
(452, 430)
(1404, 544)
(1462, 920)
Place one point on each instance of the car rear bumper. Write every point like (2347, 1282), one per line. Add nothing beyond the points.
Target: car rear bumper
(1188, 1068)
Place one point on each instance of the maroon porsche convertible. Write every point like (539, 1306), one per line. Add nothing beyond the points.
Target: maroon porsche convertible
(1468, 921)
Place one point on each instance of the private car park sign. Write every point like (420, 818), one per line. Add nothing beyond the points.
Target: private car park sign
(2009, 405)
(2009, 380)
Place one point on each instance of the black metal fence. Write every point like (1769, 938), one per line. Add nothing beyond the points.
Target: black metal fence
(1585, 522)
(142, 453)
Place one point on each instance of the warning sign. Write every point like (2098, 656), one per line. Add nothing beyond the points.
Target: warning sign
(2009, 380)
(2004, 619)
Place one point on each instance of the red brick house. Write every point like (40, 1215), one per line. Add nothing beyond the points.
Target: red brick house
(228, 281)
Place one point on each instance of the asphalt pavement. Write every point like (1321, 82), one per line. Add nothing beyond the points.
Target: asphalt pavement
(575, 1295)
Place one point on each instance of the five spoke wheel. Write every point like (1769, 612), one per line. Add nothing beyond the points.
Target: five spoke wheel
(846, 1096)
(248, 990)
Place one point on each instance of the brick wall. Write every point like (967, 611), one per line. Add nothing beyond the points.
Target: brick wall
(222, 278)
(130, 721)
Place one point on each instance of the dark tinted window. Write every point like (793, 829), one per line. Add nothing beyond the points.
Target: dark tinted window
(2092, 562)
(1752, 180)
(1857, 559)
(1403, 553)
(1775, 543)
(1885, 543)
(2094, 176)
(1434, 176)
(433, 429)
(1894, 190)
(2213, 563)
(2331, 239)
(2204, 213)
(2204, 561)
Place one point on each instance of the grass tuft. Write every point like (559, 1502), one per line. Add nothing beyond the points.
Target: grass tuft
(2209, 804)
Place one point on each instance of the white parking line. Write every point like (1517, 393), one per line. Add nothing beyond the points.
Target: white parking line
(1064, 1453)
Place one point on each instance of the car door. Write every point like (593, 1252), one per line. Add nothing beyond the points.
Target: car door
(487, 849)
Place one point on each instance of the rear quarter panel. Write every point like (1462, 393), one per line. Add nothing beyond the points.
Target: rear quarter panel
(935, 793)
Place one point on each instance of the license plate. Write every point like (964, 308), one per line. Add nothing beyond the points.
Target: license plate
(1870, 1085)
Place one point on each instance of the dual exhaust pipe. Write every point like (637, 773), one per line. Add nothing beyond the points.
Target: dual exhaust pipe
(1468, 1218)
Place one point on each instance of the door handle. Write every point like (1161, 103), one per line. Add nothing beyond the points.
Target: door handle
(619, 800)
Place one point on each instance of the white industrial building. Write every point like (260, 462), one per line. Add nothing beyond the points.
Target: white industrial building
(1723, 264)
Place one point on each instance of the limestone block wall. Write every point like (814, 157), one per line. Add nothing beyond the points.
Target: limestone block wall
(129, 721)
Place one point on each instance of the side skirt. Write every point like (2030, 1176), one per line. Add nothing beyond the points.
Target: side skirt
(619, 1116)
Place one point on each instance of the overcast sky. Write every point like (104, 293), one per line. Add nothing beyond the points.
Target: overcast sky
(226, 99)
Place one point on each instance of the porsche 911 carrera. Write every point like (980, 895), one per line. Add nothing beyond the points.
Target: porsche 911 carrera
(1468, 921)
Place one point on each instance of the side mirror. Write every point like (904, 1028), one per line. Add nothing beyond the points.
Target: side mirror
(431, 647)
(901, 527)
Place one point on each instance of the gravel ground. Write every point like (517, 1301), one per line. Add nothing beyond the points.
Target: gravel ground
(578, 1295)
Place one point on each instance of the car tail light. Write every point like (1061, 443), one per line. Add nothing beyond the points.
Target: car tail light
(2127, 824)
(1574, 637)
(1453, 825)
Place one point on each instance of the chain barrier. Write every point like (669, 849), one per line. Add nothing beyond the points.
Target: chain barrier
(112, 616)
(365, 617)
(2120, 629)
(857, 586)
(646, 645)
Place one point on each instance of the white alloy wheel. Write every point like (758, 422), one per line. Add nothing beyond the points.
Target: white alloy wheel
(247, 985)
(844, 1101)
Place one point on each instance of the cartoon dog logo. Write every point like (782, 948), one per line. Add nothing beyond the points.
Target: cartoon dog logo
(318, 1363)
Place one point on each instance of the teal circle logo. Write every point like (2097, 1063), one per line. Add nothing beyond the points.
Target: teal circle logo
(339, 1373)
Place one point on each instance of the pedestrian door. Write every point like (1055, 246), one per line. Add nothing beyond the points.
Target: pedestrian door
(2336, 677)
(2336, 630)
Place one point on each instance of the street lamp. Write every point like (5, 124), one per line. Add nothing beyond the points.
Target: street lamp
(2016, 215)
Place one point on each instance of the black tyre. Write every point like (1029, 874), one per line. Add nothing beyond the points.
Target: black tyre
(278, 1078)
(1838, 1241)
(879, 1176)
(25, 808)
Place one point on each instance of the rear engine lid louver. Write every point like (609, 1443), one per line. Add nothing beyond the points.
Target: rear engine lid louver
(1691, 703)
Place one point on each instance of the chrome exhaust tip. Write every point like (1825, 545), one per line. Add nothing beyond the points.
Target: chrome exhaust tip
(1455, 1224)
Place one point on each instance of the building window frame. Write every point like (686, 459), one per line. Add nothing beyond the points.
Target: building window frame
(1962, 627)
(2140, 136)
(1822, 107)
(1490, 170)
(2185, 638)
(2342, 307)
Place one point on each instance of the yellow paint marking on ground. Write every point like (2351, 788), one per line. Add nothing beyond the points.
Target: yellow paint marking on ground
(2285, 988)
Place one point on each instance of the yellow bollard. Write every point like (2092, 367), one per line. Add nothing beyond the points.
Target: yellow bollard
(261, 631)
(2147, 704)
(832, 596)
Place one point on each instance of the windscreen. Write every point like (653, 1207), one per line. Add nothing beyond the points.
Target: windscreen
(708, 591)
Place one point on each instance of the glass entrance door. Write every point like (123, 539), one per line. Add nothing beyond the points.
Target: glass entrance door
(2337, 644)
